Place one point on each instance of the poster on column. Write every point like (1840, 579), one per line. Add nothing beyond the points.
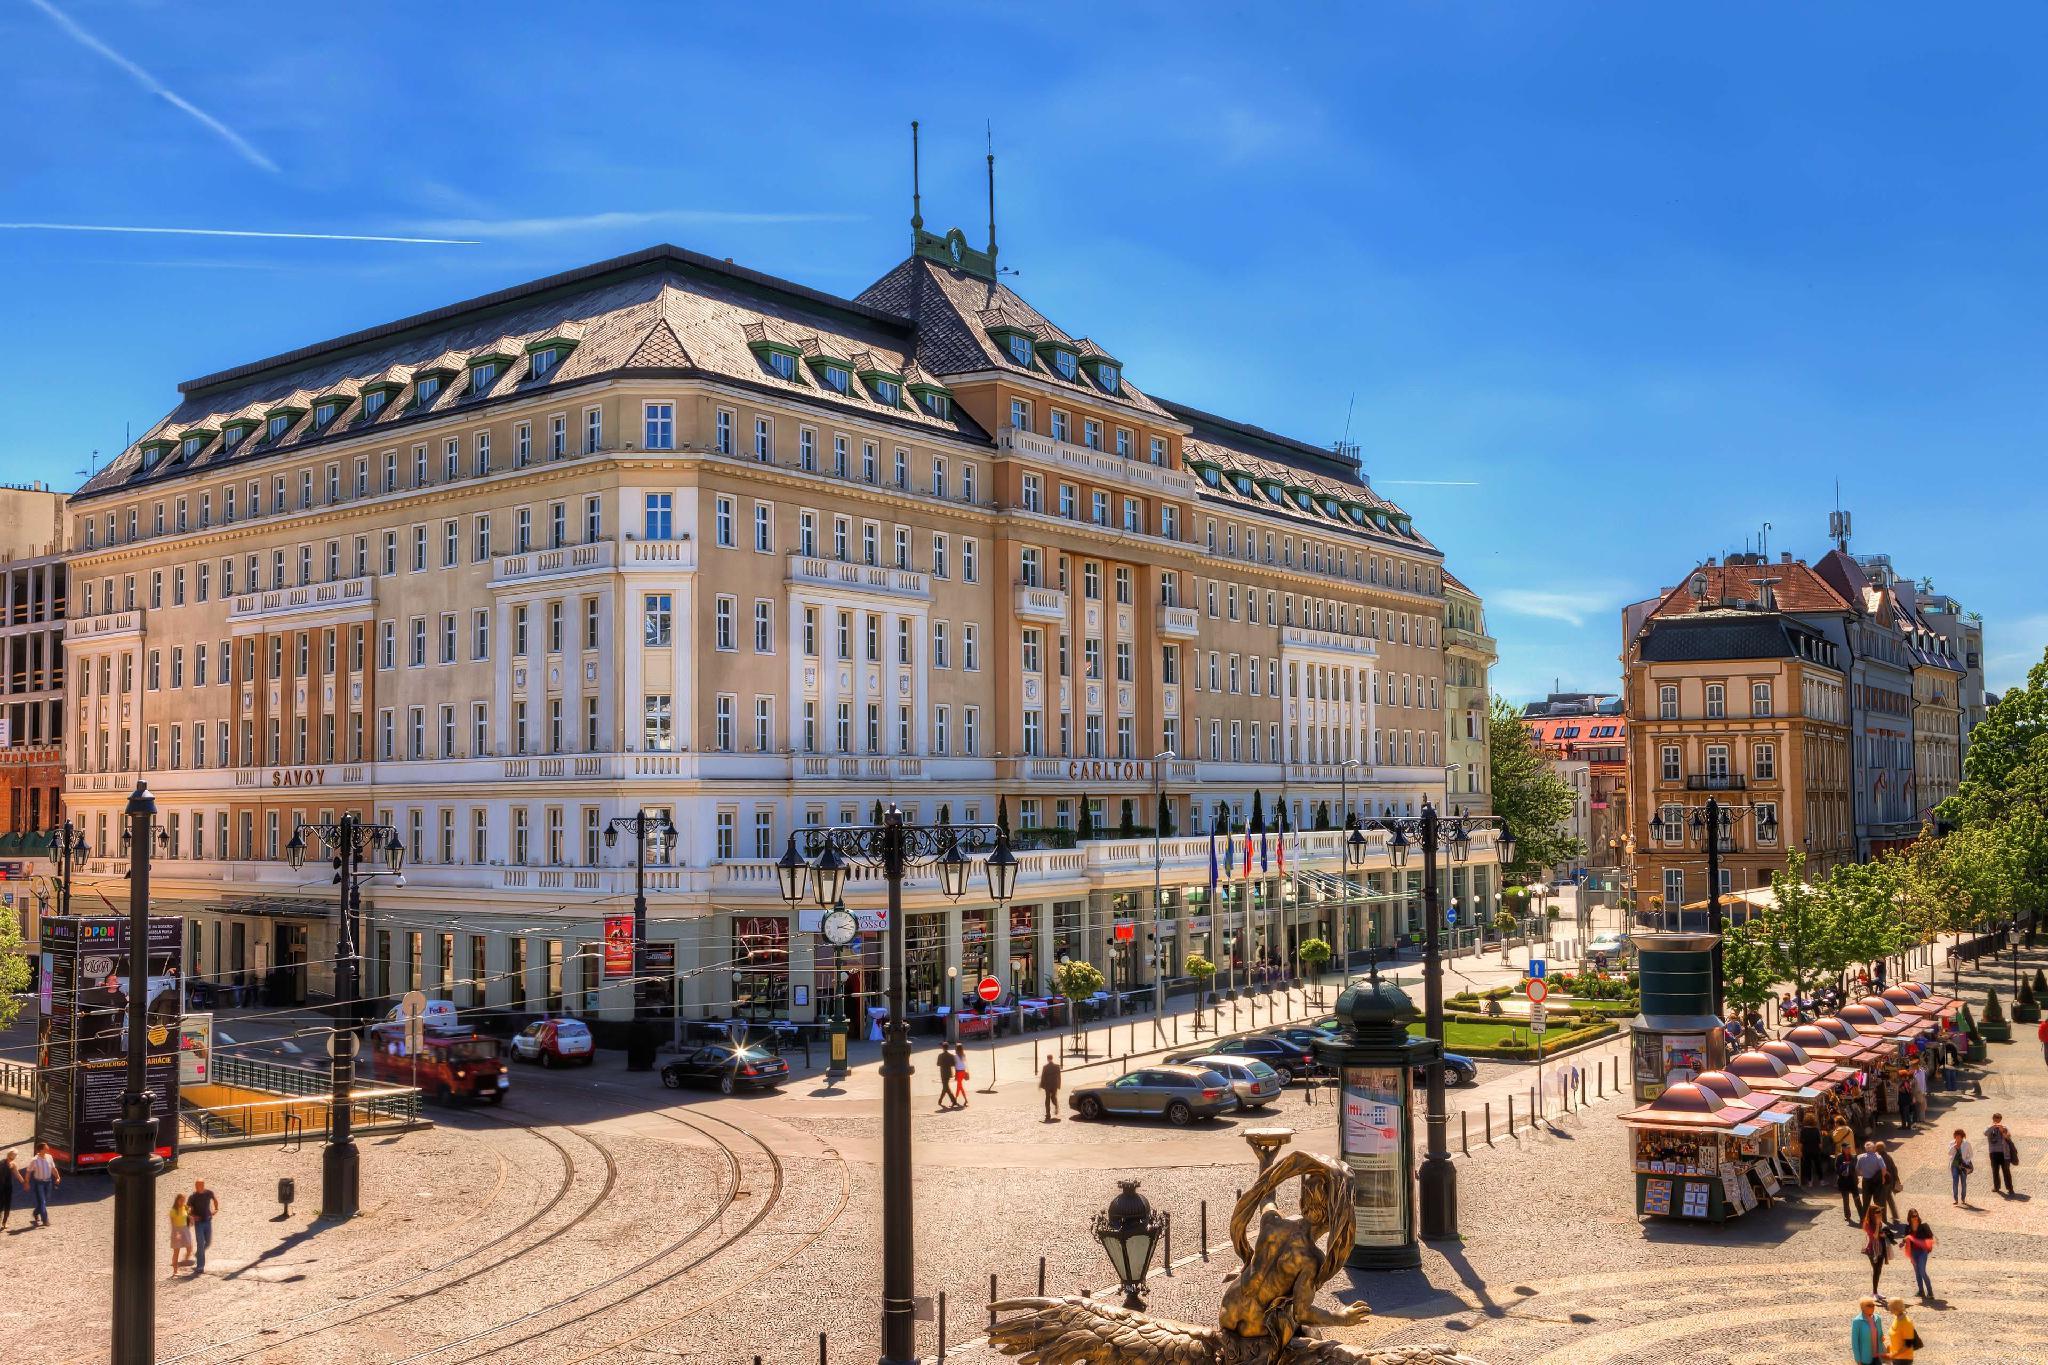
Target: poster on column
(618, 947)
(82, 1041)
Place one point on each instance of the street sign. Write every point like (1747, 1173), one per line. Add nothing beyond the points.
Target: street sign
(1537, 1021)
(341, 1044)
(1537, 991)
(1450, 917)
(412, 1009)
(1124, 931)
(990, 990)
(1537, 967)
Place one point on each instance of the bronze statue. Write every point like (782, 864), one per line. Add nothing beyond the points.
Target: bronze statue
(1267, 1312)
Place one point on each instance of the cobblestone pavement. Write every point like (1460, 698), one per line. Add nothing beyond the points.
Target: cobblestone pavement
(602, 1218)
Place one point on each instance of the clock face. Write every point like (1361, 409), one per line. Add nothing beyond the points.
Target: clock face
(839, 927)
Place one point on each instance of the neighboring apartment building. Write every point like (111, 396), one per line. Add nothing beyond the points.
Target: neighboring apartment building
(664, 533)
(1888, 808)
(1587, 737)
(1469, 657)
(31, 675)
(1731, 700)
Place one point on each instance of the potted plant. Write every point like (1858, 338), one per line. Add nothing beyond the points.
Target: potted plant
(2026, 1006)
(1076, 981)
(1993, 1025)
(1315, 955)
(1504, 921)
(2040, 985)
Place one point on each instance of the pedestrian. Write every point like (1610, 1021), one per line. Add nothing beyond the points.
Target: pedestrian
(1951, 1062)
(203, 1205)
(1844, 1138)
(10, 1176)
(2042, 1034)
(1960, 1164)
(1908, 1102)
(1870, 1174)
(181, 1233)
(1809, 1146)
(1904, 1338)
(1892, 1183)
(43, 1180)
(1919, 1244)
(1049, 1082)
(1864, 1336)
(2004, 1152)
(1877, 1243)
(1845, 1181)
(960, 1073)
(946, 1065)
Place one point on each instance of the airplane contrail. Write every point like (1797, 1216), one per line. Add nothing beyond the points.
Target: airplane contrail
(236, 232)
(150, 83)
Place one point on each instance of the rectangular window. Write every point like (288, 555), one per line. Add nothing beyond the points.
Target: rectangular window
(1763, 761)
(657, 613)
(764, 528)
(660, 519)
(764, 626)
(1667, 703)
(1760, 699)
(722, 628)
(661, 426)
(658, 734)
(1717, 701)
(722, 532)
(1670, 766)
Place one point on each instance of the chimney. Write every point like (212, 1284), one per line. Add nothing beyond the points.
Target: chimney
(1784, 556)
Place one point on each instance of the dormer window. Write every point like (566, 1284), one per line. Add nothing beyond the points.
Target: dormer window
(1020, 349)
(934, 400)
(279, 425)
(231, 433)
(887, 389)
(425, 391)
(153, 453)
(1111, 378)
(481, 377)
(543, 361)
(193, 444)
(373, 401)
(1067, 363)
(838, 378)
(783, 364)
(323, 412)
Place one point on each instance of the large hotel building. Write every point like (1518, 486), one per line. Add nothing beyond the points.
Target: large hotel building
(665, 534)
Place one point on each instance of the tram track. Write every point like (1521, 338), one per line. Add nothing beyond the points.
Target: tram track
(270, 1333)
(730, 1196)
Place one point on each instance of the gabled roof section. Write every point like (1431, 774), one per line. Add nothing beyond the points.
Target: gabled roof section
(953, 313)
(1730, 634)
(658, 350)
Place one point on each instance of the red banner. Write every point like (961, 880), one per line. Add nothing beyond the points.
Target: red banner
(618, 946)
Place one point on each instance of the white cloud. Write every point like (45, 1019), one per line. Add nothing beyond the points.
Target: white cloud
(1572, 608)
(592, 222)
(231, 232)
(156, 87)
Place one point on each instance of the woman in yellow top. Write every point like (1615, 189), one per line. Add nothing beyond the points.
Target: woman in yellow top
(1902, 1340)
(181, 1235)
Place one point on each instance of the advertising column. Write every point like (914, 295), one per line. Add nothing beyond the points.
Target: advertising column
(83, 1035)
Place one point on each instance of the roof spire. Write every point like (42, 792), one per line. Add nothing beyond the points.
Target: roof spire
(991, 135)
(916, 194)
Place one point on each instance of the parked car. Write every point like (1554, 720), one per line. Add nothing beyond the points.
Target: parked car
(1255, 1084)
(1607, 947)
(1307, 1035)
(1289, 1059)
(1458, 1070)
(727, 1067)
(1180, 1094)
(553, 1042)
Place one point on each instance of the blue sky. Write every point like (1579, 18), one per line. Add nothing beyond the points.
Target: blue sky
(1603, 289)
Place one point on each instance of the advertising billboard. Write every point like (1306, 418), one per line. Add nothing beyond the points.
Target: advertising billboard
(82, 1038)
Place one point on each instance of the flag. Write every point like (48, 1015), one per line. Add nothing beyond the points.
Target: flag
(1247, 853)
(1212, 867)
(1283, 852)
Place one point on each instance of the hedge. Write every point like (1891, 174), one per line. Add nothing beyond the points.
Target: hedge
(1553, 1042)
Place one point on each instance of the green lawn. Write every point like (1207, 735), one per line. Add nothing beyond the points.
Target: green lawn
(1482, 1038)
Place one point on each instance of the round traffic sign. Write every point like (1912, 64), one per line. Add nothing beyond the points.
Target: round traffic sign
(1536, 990)
(990, 990)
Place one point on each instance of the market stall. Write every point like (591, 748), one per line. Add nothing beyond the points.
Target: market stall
(1687, 1150)
(1770, 1158)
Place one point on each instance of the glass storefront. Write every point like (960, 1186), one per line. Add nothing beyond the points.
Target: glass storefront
(760, 978)
(924, 950)
(1024, 974)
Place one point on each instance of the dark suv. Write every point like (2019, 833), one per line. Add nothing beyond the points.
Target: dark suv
(1289, 1059)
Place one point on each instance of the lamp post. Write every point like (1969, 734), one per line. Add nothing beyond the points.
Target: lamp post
(1158, 944)
(2012, 941)
(1355, 849)
(136, 1165)
(1129, 1231)
(1715, 822)
(1345, 822)
(349, 842)
(67, 850)
(640, 1040)
(895, 848)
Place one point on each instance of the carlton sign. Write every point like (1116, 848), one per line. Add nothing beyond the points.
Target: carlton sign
(1105, 770)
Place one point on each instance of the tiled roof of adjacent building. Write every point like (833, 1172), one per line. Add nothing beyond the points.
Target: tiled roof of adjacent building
(1795, 586)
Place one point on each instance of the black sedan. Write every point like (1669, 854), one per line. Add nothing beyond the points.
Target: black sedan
(728, 1068)
(1458, 1070)
(1287, 1058)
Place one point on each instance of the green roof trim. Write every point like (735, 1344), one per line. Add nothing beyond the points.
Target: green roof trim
(384, 386)
(189, 432)
(244, 424)
(162, 445)
(869, 376)
(291, 410)
(444, 373)
(923, 390)
(562, 344)
(491, 358)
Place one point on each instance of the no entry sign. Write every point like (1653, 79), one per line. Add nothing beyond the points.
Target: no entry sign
(1537, 991)
(990, 990)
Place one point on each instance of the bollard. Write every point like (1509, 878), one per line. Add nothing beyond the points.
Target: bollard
(1169, 1241)
(1041, 1277)
(1464, 1132)
(1511, 1116)
(942, 1324)
(991, 1300)
(821, 1348)
(1600, 1082)
(1205, 1229)
(1533, 1111)
(1489, 1123)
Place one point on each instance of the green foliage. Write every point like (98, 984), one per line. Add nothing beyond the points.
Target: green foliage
(1075, 979)
(1087, 821)
(1322, 815)
(1201, 968)
(1258, 816)
(1531, 800)
(2040, 984)
(1315, 954)
(1504, 921)
(13, 970)
(1748, 967)
(1992, 1013)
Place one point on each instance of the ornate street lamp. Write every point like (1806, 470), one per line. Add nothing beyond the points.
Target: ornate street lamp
(68, 850)
(895, 847)
(1129, 1231)
(640, 1039)
(135, 1168)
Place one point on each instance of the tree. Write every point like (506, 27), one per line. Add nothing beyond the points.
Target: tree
(1087, 820)
(1076, 980)
(1163, 821)
(1258, 820)
(13, 970)
(1791, 926)
(1322, 815)
(1003, 815)
(1749, 968)
(1128, 826)
(1532, 801)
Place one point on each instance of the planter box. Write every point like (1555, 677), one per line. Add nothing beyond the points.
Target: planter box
(2000, 1032)
(2026, 1014)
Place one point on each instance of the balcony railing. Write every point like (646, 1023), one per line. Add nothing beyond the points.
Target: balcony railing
(107, 624)
(1707, 782)
(1035, 603)
(1302, 637)
(355, 594)
(1100, 465)
(1178, 622)
(860, 578)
